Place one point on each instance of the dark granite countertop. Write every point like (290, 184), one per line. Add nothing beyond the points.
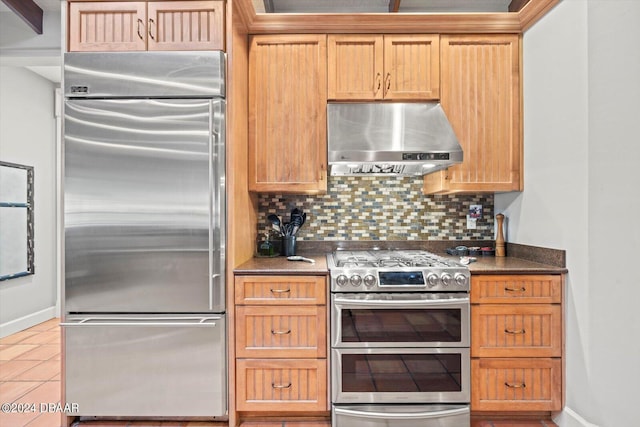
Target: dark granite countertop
(510, 265)
(280, 265)
(483, 265)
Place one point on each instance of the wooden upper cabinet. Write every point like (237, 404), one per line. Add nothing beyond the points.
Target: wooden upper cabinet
(107, 26)
(355, 67)
(186, 25)
(136, 26)
(412, 67)
(480, 93)
(287, 114)
(394, 67)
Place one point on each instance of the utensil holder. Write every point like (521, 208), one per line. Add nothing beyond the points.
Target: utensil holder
(288, 245)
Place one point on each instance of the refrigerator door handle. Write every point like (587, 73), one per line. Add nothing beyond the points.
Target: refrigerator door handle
(212, 179)
(209, 321)
(217, 205)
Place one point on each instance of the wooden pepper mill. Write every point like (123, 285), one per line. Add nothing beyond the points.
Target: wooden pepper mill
(500, 249)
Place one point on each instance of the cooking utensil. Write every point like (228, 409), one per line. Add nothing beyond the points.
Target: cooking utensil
(301, 258)
(286, 229)
(297, 219)
(275, 223)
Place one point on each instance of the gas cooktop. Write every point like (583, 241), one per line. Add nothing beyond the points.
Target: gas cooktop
(395, 271)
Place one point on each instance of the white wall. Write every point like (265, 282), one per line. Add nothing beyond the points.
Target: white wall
(27, 136)
(582, 121)
(19, 44)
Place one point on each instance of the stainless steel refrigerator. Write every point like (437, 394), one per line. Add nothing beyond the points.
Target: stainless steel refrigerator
(144, 234)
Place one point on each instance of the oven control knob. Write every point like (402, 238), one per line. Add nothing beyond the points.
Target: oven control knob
(342, 280)
(461, 279)
(369, 280)
(356, 280)
(446, 279)
(432, 280)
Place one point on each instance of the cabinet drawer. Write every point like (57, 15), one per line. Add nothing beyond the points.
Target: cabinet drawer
(516, 384)
(516, 331)
(281, 331)
(518, 289)
(281, 290)
(283, 385)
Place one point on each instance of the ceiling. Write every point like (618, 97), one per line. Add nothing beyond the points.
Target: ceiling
(380, 6)
(349, 6)
(47, 5)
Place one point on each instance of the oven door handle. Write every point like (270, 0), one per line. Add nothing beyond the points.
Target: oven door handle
(399, 416)
(399, 303)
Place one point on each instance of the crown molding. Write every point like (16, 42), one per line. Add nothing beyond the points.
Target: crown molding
(451, 23)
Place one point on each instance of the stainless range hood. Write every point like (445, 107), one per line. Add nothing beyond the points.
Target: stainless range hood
(378, 138)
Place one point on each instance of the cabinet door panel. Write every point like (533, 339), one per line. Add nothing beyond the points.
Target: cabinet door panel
(186, 25)
(287, 114)
(412, 67)
(281, 332)
(107, 26)
(516, 331)
(480, 93)
(516, 385)
(355, 67)
(281, 385)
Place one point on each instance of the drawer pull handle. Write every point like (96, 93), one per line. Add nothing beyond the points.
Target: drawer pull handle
(515, 385)
(281, 332)
(280, 386)
(514, 331)
(280, 291)
(522, 289)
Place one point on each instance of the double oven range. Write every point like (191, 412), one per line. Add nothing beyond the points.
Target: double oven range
(399, 339)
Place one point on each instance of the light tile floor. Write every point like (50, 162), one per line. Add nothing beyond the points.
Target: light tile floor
(30, 375)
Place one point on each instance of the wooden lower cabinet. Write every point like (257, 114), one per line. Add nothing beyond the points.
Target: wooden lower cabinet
(281, 345)
(292, 385)
(516, 384)
(280, 290)
(281, 331)
(516, 330)
(516, 343)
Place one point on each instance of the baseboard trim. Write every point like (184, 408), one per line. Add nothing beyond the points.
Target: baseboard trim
(570, 418)
(27, 321)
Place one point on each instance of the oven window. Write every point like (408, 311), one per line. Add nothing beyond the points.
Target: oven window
(401, 325)
(401, 373)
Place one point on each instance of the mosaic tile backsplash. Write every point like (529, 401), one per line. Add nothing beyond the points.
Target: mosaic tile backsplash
(380, 208)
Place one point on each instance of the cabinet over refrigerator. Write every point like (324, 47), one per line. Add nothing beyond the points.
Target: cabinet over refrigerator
(144, 234)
